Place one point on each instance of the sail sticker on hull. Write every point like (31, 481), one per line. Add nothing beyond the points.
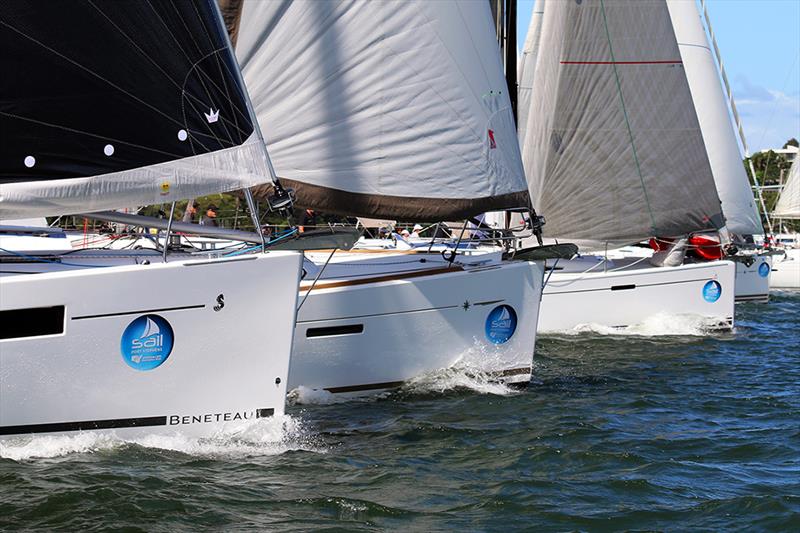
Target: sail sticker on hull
(712, 290)
(501, 324)
(763, 270)
(147, 342)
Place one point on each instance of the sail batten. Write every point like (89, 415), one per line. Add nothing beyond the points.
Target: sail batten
(150, 110)
(612, 148)
(384, 109)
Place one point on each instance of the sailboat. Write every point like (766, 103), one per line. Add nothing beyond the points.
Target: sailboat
(786, 268)
(615, 155)
(131, 104)
(395, 111)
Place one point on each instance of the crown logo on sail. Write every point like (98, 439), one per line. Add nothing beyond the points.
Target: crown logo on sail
(212, 116)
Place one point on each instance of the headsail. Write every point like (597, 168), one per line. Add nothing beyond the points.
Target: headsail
(150, 109)
(789, 201)
(613, 150)
(733, 186)
(527, 68)
(384, 109)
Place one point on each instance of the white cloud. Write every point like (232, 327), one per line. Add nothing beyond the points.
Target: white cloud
(770, 117)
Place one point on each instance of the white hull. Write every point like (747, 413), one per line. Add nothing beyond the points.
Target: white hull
(368, 336)
(753, 281)
(146, 349)
(626, 298)
(786, 270)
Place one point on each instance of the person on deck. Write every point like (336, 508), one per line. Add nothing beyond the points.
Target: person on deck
(309, 220)
(191, 211)
(210, 218)
(415, 232)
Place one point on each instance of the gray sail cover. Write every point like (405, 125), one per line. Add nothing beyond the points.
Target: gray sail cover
(613, 149)
(384, 109)
(107, 104)
(733, 186)
(789, 201)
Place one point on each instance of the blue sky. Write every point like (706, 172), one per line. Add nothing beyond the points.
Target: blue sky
(760, 45)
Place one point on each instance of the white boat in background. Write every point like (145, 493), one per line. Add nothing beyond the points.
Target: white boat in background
(614, 154)
(176, 347)
(742, 219)
(786, 268)
(406, 120)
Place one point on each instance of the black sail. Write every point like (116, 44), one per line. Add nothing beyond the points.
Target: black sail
(118, 91)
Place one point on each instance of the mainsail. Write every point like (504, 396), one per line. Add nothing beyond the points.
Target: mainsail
(384, 109)
(613, 149)
(733, 186)
(149, 110)
(789, 201)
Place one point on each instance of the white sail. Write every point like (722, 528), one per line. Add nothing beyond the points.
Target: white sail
(526, 70)
(384, 109)
(788, 205)
(733, 186)
(614, 151)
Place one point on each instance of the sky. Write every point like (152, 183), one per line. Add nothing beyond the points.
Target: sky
(759, 41)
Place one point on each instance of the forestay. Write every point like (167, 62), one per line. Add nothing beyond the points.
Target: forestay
(789, 201)
(150, 110)
(733, 186)
(384, 109)
(614, 152)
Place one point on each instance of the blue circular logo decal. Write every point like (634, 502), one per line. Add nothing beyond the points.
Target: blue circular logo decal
(763, 270)
(501, 324)
(146, 342)
(712, 290)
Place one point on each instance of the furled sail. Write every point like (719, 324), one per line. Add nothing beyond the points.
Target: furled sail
(789, 201)
(384, 109)
(526, 69)
(150, 109)
(613, 148)
(733, 186)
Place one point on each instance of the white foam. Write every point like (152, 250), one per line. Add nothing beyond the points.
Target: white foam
(463, 375)
(48, 446)
(308, 396)
(658, 325)
(265, 436)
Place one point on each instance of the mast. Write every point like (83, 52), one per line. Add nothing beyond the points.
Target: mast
(511, 54)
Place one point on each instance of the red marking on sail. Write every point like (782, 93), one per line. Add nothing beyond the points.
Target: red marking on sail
(492, 144)
(664, 62)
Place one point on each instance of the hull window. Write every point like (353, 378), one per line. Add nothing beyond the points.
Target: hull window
(33, 322)
(335, 330)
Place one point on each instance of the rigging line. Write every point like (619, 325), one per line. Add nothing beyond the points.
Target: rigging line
(217, 61)
(775, 104)
(183, 110)
(200, 51)
(144, 54)
(105, 137)
(178, 44)
(627, 123)
(90, 71)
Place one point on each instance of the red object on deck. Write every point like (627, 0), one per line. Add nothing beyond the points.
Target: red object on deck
(705, 247)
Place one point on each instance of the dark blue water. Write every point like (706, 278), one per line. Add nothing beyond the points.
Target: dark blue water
(642, 433)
